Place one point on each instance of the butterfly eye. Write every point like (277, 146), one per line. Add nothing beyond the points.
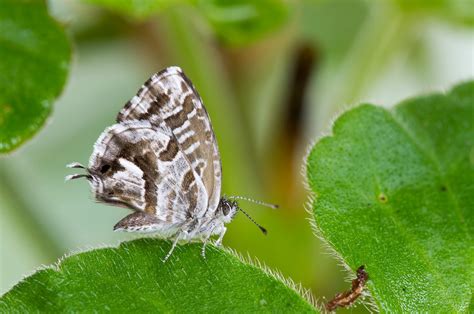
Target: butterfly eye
(226, 210)
(104, 168)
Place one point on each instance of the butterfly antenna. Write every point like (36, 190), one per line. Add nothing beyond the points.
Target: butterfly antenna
(77, 176)
(252, 220)
(274, 206)
(75, 165)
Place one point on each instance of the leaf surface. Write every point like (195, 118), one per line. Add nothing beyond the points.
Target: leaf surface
(133, 278)
(394, 191)
(34, 61)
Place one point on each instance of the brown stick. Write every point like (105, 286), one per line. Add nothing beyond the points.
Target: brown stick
(347, 298)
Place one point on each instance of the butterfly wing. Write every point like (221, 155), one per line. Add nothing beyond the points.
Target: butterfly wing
(137, 164)
(170, 100)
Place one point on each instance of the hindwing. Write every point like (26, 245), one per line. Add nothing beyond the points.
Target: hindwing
(139, 166)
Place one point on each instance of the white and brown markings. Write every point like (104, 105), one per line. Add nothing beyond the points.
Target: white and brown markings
(161, 160)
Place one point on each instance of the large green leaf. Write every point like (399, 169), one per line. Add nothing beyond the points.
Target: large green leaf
(133, 278)
(394, 191)
(34, 61)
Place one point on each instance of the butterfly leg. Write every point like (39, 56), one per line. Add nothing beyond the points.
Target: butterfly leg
(172, 247)
(203, 249)
(183, 234)
(206, 239)
(221, 236)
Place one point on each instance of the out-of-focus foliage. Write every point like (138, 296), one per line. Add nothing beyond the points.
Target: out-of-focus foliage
(318, 19)
(240, 22)
(378, 32)
(34, 63)
(136, 9)
(394, 193)
(133, 278)
(235, 22)
(457, 11)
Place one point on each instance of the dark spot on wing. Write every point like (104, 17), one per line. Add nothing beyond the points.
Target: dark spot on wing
(187, 180)
(181, 116)
(184, 87)
(169, 205)
(147, 163)
(188, 105)
(190, 84)
(160, 101)
(188, 142)
(170, 151)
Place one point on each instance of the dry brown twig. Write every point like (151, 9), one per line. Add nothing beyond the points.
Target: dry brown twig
(347, 298)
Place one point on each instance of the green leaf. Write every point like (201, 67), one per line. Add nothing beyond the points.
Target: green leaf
(137, 9)
(133, 278)
(34, 61)
(240, 22)
(394, 191)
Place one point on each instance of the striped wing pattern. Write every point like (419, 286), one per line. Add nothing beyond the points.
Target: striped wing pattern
(169, 102)
(141, 173)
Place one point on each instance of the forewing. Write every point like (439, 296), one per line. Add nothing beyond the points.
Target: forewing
(140, 156)
(170, 99)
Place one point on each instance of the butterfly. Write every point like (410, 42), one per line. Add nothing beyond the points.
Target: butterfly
(161, 160)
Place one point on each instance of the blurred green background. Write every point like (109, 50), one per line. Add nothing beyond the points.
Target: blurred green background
(272, 74)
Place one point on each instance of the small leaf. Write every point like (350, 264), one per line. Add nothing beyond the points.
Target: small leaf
(34, 61)
(239, 22)
(133, 278)
(395, 192)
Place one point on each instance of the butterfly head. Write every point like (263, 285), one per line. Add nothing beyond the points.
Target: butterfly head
(227, 209)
